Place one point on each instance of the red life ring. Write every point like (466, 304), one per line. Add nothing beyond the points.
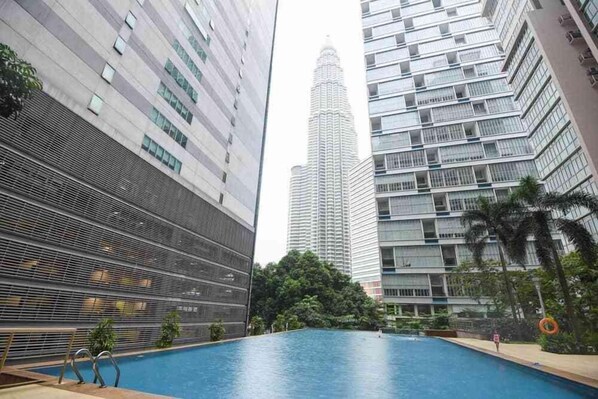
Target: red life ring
(548, 322)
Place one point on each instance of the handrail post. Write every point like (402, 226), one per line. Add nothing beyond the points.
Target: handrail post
(66, 356)
(5, 354)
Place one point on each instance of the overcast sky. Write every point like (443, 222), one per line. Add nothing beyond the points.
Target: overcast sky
(301, 30)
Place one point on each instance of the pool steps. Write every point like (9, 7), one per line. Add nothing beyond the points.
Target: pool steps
(94, 366)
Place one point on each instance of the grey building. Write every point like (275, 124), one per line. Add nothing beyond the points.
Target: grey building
(551, 51)
(129, 186)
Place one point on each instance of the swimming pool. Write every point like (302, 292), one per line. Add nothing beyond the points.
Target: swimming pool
(333, 364)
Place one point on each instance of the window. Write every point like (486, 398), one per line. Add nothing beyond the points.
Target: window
(108, 73)
(180, 80)
(131, 20)
(227, 157)
(175, 103)
(168, 128)
(221, 199)
(161, 154)
(187, 60)
(388, 257)
(120, 45)
(391, 183)
(95, 104)
(197, 47)
(224, 175)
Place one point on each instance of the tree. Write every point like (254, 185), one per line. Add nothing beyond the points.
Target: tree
(309, 311)
(301, 287)
(171, 329)
(18, 80)
(102, 337)
(257, 325)
(537, 221)
(217, 331)
(492, 218)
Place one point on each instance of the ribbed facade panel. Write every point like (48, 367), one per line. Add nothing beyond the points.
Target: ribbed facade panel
(136, 197)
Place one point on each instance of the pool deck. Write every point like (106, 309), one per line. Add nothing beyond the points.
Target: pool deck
(46, 387)
(578, 368)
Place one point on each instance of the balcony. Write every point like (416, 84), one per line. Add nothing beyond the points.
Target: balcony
(586, 58)
(573, 36)
(565, 19)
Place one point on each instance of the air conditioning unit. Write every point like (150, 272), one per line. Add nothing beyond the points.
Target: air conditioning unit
(565, 19)
(594, 81)
(573, 36)
(586, 57)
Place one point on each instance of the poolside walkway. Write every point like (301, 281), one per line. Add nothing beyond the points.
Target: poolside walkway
(580, 368)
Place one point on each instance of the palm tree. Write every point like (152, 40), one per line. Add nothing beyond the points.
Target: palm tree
(540, 214)
(493, 218)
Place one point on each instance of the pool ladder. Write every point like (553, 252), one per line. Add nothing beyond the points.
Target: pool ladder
(94, 366)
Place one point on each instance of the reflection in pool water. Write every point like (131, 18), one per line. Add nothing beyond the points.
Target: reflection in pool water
(334, 364)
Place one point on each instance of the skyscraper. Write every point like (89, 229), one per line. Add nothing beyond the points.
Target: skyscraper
(550, 62)
(445, 130)
(129, 186)
(365, 253)
(319, 196)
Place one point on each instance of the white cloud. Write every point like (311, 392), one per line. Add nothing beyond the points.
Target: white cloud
(301, 30)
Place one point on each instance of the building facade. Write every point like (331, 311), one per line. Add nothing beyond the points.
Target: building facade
(129, 186)
(445, 130)
(365, 253)
(551, 66)
(319, 211)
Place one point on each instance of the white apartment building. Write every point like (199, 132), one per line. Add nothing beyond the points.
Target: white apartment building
(445, 130)
(332, 152)
(365, 253)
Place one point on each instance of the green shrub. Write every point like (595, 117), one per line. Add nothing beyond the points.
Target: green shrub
(559, 343)
(217, 331)
(102, 337)
(257, 325)
(171, 329)
(414, 325)
(280, 323)
(440, 321)
(294, 323)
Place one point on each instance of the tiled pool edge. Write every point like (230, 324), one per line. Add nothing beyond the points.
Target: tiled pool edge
(53, 363)
(579, 379)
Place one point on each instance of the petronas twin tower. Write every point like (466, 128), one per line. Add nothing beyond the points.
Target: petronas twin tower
(319, 190)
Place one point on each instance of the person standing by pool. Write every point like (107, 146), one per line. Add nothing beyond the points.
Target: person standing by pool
(496, 339)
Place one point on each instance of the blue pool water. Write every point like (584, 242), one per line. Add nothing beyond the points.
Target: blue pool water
(334, 364)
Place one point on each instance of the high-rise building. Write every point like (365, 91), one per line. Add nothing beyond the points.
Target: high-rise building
(332, 152)
(445, 130)
(365, 253)
(550, 62)
(129, 186)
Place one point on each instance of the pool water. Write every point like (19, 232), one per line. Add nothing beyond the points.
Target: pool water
(333, 364)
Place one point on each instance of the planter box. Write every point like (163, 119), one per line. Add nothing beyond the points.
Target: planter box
(441, 333)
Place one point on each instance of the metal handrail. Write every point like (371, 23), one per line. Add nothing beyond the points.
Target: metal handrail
(24, 330)
(85, 351)
(97, 370)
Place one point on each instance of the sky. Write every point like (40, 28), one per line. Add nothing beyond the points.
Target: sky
(301, 31)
